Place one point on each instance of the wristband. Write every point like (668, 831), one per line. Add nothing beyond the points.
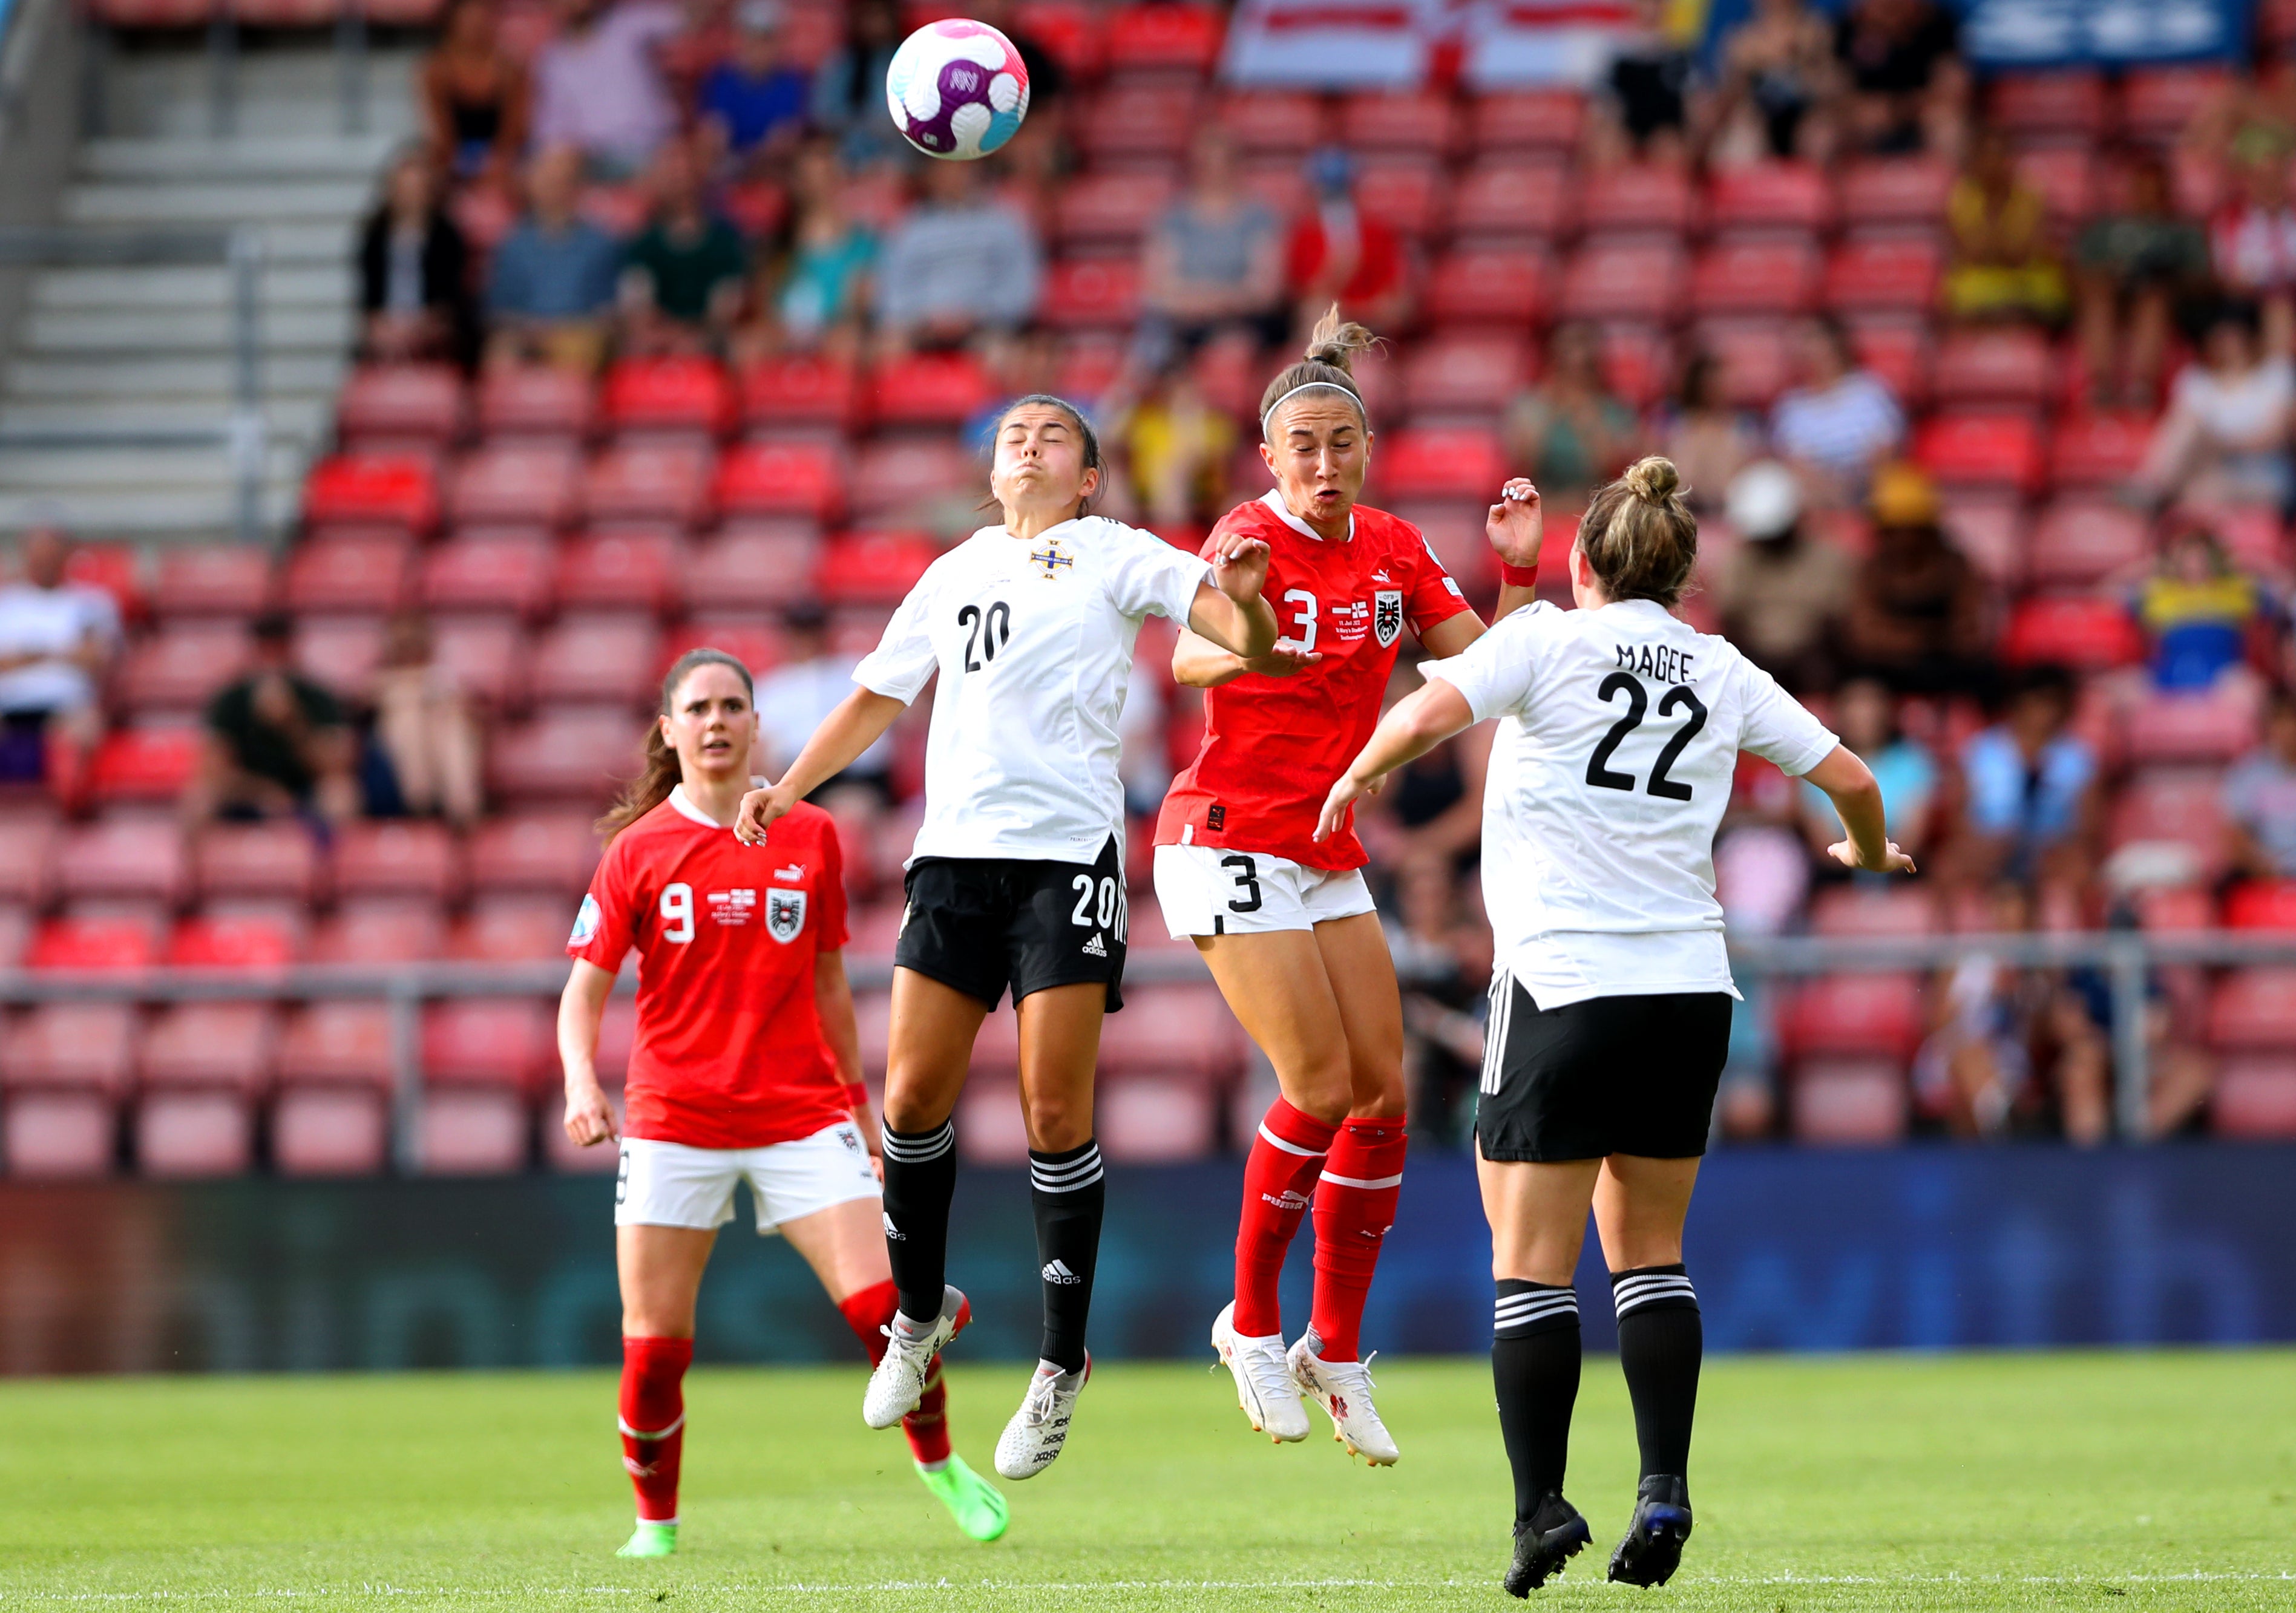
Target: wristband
(856, 1095)
(1518, 577)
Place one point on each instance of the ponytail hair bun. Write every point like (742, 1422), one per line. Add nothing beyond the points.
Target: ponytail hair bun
(1639, 536)
(1653, 479)
(1336, 342)
(1329, 362)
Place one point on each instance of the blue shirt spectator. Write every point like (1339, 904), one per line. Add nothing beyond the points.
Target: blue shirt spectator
(2197, 609)
(555, 266)
(1840, 422)
(2031, 780)
(754, 97)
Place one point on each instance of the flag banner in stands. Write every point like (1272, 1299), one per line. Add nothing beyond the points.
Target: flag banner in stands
(1520, 44)
(1333, 43)
(2113, 33)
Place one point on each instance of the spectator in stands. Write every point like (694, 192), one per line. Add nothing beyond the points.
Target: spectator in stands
(681, 284)
(1780, 83)
(1177, 450)
(1761, 878)
(959, 265)
(275, 742)
(1919, 618)
(2031, 810)
(2252, 248)
(797, 695)
(752, 104)
(1338, 253)
(1907, 87)
(2133, 271)
(1866, 716)
(1839, 422)
(2200, 614)
(2003, 267)
(1570, 431)
(1646, 115)
(555, 274)
(1708, 441)
(1039, 154)
(848, 88)
(2225, 438)
(812, 290)
(414, 273)
(477, 99)
(599, 88)
(1213, 263)
(1781, 596)
(57, 639)
(2260, 798)
(424, 729)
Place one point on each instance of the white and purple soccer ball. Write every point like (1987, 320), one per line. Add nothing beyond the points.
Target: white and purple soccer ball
(957, 89)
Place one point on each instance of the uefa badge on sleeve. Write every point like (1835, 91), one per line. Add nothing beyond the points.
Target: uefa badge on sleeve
(1387, 615)
(585, 922)
(784, 914)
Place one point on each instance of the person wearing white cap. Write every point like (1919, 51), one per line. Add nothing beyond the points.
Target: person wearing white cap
(1781, 594)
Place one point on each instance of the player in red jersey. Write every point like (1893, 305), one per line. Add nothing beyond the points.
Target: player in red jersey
(1285, 921)
(747, 1068)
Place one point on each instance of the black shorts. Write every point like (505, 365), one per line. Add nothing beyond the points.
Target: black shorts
(1607, 1076)
(979, 924)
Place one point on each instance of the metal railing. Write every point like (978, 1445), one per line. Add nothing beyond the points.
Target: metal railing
(241, 434)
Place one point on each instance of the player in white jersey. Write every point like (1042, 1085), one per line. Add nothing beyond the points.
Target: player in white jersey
(1619, 729)
(1018, 876)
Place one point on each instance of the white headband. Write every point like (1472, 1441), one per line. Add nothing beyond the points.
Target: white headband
(1268, 414)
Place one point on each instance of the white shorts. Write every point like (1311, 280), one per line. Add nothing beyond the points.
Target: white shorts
(1214, 890)
(670, 1184)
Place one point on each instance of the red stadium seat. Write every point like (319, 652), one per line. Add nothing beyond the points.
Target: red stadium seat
(486, 1041)
(1279, 183)
(2061, 101)
(1488, 287)
(239, 943)
(536, 400)
(362, 571)
(1895, 191)
(1641, 281)
(226, 1045)
(93, 944)
(1999, 366)
(143, 766)
(189, 1135)
(2217, 726)
(135, 858)
(475, 1134)
(502, 569)
(1440, 462)
(2172, 807)
(2254, 1098)
(1982, 450)
(632, 570)
(1138, 120)
(1151, 1119)
(338, 1044)
(689, 396)
(27, 850)
(513, 930)
(330, 1132)
(1646, 197)
(536, 850)
(2080, 542)
(1069, 30)
(396, 490)
(1794, 196)
(484, 657)
(1409, 195)
(1188, 1030)
(755, 571)
(1176, 38)
(1989, 527)
(580, 754)
(1091, 294)
(1286, 122)
(2090, 450)
(516, 484)
(1423, 122)
(2066, 177)
(1849, 1102)
(2091, 634)
(930, 389)
(1755, 358)
(90, 1045)
(871, 568)
(1895, 349)
(340, 652)
(1100, 213)
(419, 404)
(1474, 375)
(596, 657)
(1512, 199)
(1856, 1016)
(397, 858)
(213, 579)
(1756, 277)
(800, 390)
(1638, 363)
(1884, 273)
(131, 14)
(758, 645)
(59, 1135)
(382, 929)
(781, 478)
(1541, 118)
(895, 478)
(2254, 1010)
(651, 481)
(2262, 905)
(2157, 103)
(1857, 911)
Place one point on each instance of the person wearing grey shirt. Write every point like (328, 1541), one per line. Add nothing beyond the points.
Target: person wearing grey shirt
(958, 263)
(2260, 798)
(1214, 262)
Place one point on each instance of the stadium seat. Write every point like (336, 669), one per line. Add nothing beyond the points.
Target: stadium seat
(2254, 1010)
(577, 755)
(1487, 287)
(1989, 526)
(403, 406)
(1884, 273)
(1998, 366)
(622, 569)
(1288, 123)
(223, 1045)
(2157, 103)
(2177, 809)
(381, 929)
(213, 579)
(595, 657)
(2089, 633)
(139, 857)
(990, 1128)
(246, 943)
(1640, 199)
(1090, 294)
(1795, 197)
(1182, 1030)
(536, 400)
(1440, 462)
(1849, 1102)
(340, 652)
(1630, 281)
(1855, 1015)
(1538, 120)
(2066, 177)
(147, 765)
(1409, 195)
(645, 480)
(1426, 122)
(486, 1041)
(1861, 911)
(1147, 1119)
(1136, 121)
(484, 657)
(88, 1045)
(2261, 905)
(758, 645)
(342, 1043)
(781, 478)
(751, 570)
(800, 390)
(188, 1136)
(93, 944)
(1638, 363)
(387, 857)
(1069, 30)
(2255, 1099)
(392, 490)
(138, 14)
(685, 397)
(1100, 214)
(1895, 191)
(1982, 450)
(895, 477)
(1755, 358)
(2080, 542)
(59, 1135)
(491, 569)
(1897, 348)
(2097, 450)
(2058, 100)
(27, 850)
(515, 928)
(534, 850)
(516, 484)
(1512, 200)
(940, 389)
(2166, 728)
(1472, 374)
(871, 568)
(1756, 277)
(474, 1133)
(322, 1130)
(1178, 39)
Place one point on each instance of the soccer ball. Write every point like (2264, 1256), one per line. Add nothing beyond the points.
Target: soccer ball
(957, 89)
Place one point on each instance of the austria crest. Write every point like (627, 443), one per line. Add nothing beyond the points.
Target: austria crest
(784, 914)
(1387, 615)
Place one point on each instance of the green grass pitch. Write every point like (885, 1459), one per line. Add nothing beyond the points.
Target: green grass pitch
(2120, 1481)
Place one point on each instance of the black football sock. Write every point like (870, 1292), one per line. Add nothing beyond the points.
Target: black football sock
(1535, 1369)
(920, 1180)
(1069, 1195)
(1661, 1339)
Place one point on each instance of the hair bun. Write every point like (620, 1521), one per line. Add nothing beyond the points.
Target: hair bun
(1653, 479)
(1335, 341)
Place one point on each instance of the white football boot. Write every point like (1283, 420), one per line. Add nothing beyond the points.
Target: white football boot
(1344, 1389)
(898, 1383)
(1265, 1387)
(1040, 1427)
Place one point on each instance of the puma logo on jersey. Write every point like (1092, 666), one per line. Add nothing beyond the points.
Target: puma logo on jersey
(1380, 575)
(795, 871)
(1092, 948)
(1058, 1272)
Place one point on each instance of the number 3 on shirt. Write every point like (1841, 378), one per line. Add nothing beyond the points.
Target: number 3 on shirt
(1304, 618)
(677, 911)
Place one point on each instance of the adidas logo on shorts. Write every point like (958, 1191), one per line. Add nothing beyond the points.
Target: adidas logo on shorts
(1058, 1272)
(1095, 948)
(895, 1232)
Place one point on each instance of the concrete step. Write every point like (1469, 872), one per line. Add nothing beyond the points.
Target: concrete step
(283, 89)
(152, 331)
(165, 202)
(56, 378)
(352, 157)
(305, 419)
(127, 470)
(175, 515)
(280, 287)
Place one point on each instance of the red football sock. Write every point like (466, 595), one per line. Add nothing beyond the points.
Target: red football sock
(867, 1312)
(1355, 1207)
(653, 1422)
(1279, 1177)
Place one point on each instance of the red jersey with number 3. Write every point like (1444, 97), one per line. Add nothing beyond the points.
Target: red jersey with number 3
(730, 1052)
(1273, 746)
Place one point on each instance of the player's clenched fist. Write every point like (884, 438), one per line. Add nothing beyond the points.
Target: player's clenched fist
(761, 809)
(1240, 565)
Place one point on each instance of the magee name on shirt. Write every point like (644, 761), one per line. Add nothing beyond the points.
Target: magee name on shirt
(1662, 662)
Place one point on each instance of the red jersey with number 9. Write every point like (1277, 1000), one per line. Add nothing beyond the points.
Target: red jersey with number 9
(730, 1052)
(1273, 746)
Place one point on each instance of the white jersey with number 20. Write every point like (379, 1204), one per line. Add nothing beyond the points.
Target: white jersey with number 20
(1619, 729)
